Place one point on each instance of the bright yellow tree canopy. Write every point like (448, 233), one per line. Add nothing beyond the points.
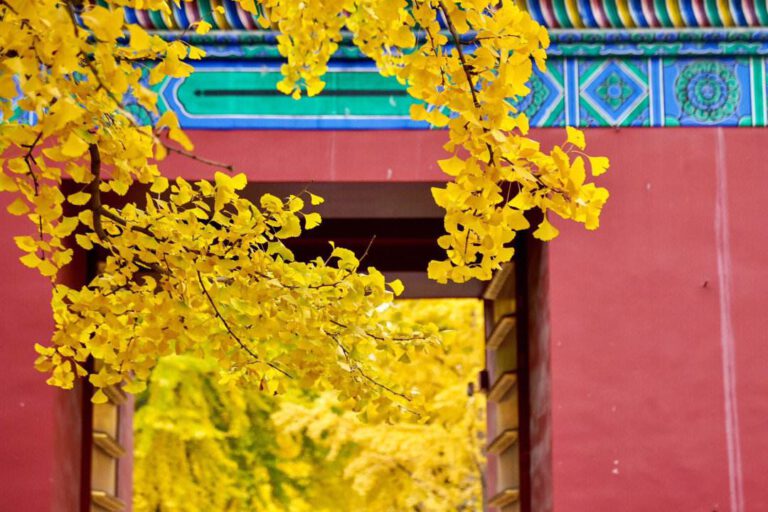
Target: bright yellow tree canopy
(198, 269)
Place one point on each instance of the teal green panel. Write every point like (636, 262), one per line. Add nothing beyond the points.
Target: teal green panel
(251, 92)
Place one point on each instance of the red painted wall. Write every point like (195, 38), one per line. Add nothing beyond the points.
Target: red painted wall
(637, 340)
(639, 310)
(641, 315)
(40, 426)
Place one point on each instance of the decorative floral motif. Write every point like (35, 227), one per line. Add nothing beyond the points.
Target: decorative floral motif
(708, 91)
(614, 90)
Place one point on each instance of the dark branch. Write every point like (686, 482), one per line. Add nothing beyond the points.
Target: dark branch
(355, 366)
(231, 332)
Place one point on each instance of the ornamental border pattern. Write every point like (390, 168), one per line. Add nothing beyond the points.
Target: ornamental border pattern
(650, 78)
(554, 14)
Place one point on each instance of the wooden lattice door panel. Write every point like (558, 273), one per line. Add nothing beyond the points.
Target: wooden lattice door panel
(503, 369)
(107, 452)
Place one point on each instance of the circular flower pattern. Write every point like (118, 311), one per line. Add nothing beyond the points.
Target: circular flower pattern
(707, 91)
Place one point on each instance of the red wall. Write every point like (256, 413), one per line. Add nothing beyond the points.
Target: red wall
(40, 432)
(642, 317)
(643, 314)
(639, 327)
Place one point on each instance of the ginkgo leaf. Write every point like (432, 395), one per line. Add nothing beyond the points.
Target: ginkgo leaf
(66, 226)
(546, 231)
(599, 165)
(84, 242)
(8, 86)
(239, 181)
(314, 87)
(202, 27)
(99, 397)
(106, 24)
(74, 146)
(452, 166)
(160, 185)
(7, 184)
(312, 220)
(576, 137)
(135, 386)
(139, 39)
(31, 260)
(397, 287)
(26, 243)
(18, 207)
(47, 269)
(315, 200)
(79, 198)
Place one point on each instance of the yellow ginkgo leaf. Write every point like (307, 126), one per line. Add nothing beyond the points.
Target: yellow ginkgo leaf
(47, 268)
(397, 287)
(84, 242)
(312, 220)
(546, 231)
(79, 198)
(66, 226)
(160, 185)
(99, 397)
(18, 207)
(452, 166)
(26, 243)
(239, 181)
(74, 146)
(30, 260)
(599, 165)
(106, 24)
(576, 137)
(139, 39)
(202, 27)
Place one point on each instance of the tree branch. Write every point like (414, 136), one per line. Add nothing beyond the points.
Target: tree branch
(467, 72)
(95, 191)
(355, 366)
(196, 158)
(231, 332)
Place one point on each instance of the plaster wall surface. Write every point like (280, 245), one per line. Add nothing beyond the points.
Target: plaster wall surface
(658, 329)
(40, 428)
(657, 324)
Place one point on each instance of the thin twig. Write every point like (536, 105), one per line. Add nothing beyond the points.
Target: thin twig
(467, 72)
(95, 191)
(355, 366)
(29, 160)
(381, 338)
(202, 160)
(231, 332)
(368, 248)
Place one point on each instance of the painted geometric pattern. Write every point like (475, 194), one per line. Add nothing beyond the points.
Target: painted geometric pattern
(594, 78)
(649, 92)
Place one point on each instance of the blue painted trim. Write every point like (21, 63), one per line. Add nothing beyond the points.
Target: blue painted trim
(689, 16)
(535, 9)
(585, 10)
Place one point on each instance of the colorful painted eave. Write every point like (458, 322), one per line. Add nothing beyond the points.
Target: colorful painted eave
(621, 63)
(601, 14)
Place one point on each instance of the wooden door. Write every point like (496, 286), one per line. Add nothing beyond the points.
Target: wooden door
(504, 373)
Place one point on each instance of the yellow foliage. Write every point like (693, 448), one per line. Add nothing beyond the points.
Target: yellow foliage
(199, 270)
(206, 445)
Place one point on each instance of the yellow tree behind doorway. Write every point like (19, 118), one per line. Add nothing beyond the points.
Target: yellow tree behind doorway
(202, 445)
